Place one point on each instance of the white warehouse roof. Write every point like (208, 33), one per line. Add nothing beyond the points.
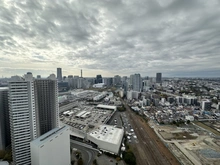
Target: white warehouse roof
(107, 138)
(106, 107)
(80, 113)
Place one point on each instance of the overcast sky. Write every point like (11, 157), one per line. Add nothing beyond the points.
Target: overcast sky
(109, 37)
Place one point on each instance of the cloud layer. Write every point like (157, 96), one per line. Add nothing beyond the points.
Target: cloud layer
(108, 37)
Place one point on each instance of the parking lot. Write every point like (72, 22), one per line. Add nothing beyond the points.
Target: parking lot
(85, 118)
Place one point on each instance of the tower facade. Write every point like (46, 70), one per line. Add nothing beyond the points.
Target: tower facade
(159, 78)
(136, 82)
(22, 118)
(46, 102)
(4, 119)
(59, 74)
(98, 79)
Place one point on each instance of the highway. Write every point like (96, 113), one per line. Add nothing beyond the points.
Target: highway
(149, 150)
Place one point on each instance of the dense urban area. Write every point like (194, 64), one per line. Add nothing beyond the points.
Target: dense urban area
(129, 120)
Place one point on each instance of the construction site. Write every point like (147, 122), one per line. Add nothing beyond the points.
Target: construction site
(195, 143)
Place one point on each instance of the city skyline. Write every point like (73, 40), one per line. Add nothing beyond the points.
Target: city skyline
(177, 38)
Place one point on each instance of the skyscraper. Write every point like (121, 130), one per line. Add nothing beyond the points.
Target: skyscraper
(159, 78)
(117, 80)
(59, 74)
(4, 119)
(135, 81)
(98, 79)
(46, 103)
(22, 117)
(33, 111)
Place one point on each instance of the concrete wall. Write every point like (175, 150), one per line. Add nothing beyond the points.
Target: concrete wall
(55, 150)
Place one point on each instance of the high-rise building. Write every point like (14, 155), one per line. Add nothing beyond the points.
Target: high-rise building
(159, 78)
(136, 82)
(33, 111)
(22, 118)
(98, 79)
(46, 104)
(4, 119)
(117, 80)
(108, 81)
(70, 81)
(206, 105)
(59, 74)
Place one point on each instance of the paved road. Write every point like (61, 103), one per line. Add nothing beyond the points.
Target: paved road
(117, 117)
(88, 155)
(149, 150)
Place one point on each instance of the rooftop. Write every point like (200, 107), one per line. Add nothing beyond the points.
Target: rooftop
(107, 133)
(47, 136)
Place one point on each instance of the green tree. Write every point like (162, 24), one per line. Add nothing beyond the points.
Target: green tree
(80, 161)
(129, 158)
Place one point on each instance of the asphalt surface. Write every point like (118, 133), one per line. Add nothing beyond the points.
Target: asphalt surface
(88, 155)
(116, 122)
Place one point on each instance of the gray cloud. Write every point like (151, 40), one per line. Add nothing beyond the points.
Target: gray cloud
(110, 37)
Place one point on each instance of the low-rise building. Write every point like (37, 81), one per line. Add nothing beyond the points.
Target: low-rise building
(52, 148)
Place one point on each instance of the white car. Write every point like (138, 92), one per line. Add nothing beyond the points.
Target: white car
(132, 130)
(135, 136)
(128, 137)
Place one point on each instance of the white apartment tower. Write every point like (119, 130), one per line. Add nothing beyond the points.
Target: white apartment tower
(135, 81)
(33, 111)
(22, 117)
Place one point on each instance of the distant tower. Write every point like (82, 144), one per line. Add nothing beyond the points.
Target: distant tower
(98, 79)
(38, 76)
(159, 78)
(59, 74)
(135, 81)
(81, 73)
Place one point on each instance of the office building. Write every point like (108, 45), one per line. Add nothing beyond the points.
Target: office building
(80, 83)
(59, 74)
(52, 148)
(159, 78)
(46, 104)
(117, 80)
(136, 82)
(70, 81)
(98, 79)
(108, 81)
(22, 117)
(4, 119)
(206, 105)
